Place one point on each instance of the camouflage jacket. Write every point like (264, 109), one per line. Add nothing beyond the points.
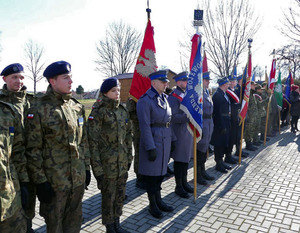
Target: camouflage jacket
(110, 139)
(21, 100)
(56, 141)
(131, 107)
(12, 162)
(266, 99)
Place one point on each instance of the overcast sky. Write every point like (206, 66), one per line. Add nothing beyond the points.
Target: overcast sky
(70, 29)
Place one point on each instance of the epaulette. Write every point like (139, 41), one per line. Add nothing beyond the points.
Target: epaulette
(123, 105)
(97, 104)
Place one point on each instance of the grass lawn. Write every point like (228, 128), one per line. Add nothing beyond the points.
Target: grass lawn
(88, 104)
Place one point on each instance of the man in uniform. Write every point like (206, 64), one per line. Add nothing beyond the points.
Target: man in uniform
(57, 151)
(14, 92)
(250, 122)
(265, 101)
(184, 147)
(221, 118)
(208, 126)
(154, 114)
(260, 110)
(13, 192)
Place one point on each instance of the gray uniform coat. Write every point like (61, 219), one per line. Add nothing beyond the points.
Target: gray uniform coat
(208, 124)
(184, 146)
(152, 109)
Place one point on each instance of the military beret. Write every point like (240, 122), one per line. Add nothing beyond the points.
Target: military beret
(57, 68)
(223, 81)
(12, 69)
(258, 87)
(108, 84)
(183, 76)
(232, 78)
(160, 75)
(294, 87)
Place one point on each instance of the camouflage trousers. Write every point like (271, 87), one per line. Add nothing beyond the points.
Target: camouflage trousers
(249, 129)
(113, 196)
(256, 129)
(14, 224)
(64, 213)
(30, 209)
(136, 144)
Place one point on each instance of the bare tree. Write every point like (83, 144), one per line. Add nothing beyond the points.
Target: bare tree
(291, 24)
(117, 53)
(34, 60)
(289, 58)
(228, 25)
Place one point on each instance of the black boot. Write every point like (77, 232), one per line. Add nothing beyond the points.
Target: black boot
(249, 146)
(200, 179)
(186, 186)
(256, 143)
(179, 190)
(293, 130)
(110, 228)
(227, 167)
(153, 208)
(161, 205)
(118, 228)
(230, 159)
(220, 167)
(204, 174)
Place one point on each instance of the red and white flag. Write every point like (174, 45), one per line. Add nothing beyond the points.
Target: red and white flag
(145, 65)
(272, 80)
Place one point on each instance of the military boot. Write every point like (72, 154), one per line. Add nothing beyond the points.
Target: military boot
(257, 143)
(110, 228)
(179, 190)
(220, 167)
(186, 186)
(230, 159)
(161, 205)
(204, 174)
(249, 146)
(153, 208)
(118, 227)
(200, 179)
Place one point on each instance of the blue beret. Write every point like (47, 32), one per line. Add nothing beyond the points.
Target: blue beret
(206, 76)
(57, 68)
(181, 76)
(109, 84)
(222, 81)
(12, 69)
(160, 75)
(239, 77)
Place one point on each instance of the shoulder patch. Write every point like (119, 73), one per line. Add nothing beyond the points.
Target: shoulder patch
(90, 118)
(30, 116)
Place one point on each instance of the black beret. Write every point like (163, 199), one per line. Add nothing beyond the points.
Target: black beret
(109, 84)
(12, 69)
(57, 68)
(222, 81)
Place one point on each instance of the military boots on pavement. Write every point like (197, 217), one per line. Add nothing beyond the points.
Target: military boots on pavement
(153, 208)
(118, 228)
(249, 146)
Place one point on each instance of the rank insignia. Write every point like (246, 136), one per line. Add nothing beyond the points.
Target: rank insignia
(80, 121)
(11, 131)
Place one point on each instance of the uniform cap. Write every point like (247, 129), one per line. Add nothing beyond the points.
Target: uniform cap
(232, 78)
(258, 87)
(12, 69)
(160, 75)
(109, 84)
(183, 76)
(239, 77)
(57, 68)
(294, 87)
(223, 81)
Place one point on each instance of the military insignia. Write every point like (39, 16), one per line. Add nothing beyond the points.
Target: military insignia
(11, 131)
(80, 121)
(91, 118)
(30, 116)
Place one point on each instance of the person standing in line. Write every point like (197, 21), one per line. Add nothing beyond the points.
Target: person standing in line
(13, 172)
(184, 146)
(295, 107)
(154, 114)
(208, 126)
(221, 117)
(15, 93)
(110, 139)
(57, 151)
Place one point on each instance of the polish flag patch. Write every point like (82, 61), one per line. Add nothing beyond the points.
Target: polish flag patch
(30, 116)
(91, 118)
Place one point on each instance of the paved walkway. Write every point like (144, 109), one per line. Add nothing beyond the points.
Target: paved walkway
(261, 195)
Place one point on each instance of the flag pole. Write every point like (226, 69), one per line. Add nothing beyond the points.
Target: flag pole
(195, 165)
(241, 142)
(267, 119)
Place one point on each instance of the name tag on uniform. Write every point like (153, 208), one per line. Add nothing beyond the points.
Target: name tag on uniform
(11, 131)
(80, 121)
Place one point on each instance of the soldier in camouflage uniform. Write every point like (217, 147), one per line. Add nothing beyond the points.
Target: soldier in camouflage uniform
(110, 139)
(57, 151)
(13, 173)
(14, 92)
(265, 100)
(131, 107)
(250, 122)
(260, 112)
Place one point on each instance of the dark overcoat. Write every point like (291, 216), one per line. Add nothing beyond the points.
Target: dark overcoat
(295, 103)
(208, 124)
(184, 144)
(221, 118)
(153, 110)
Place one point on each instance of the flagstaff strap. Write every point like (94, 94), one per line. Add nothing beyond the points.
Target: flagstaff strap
(177, 96)
(258, 97)
(233, 95)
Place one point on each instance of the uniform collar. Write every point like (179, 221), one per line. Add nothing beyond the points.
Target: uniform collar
(110, 103)
(58, 96)
(19, 94)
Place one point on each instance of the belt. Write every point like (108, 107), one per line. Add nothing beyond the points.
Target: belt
(226, 114)
(207, 116)
(162, 125)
